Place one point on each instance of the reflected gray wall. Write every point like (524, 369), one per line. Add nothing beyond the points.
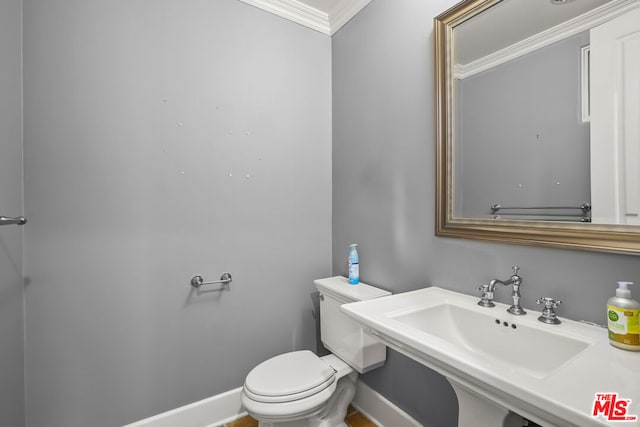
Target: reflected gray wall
(521, 139)
(384, 195)
(11, 261)
(163, 139)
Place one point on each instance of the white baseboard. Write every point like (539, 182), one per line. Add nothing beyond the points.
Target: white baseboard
(210, 412)
(380, 410)
(223, 408)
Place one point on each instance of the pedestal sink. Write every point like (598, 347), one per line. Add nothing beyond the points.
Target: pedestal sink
(500, 364)
(495, 337)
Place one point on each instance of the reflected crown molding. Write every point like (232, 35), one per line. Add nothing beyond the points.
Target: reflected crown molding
(327, 22)
(569, 28)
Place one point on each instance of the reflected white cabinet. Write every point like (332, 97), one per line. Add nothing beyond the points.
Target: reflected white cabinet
(615, 127)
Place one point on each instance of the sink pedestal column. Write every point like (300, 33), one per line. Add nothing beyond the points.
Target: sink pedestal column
(474, 410)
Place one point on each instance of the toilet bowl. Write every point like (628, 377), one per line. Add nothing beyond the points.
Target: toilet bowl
(311, 391)
(300, 389)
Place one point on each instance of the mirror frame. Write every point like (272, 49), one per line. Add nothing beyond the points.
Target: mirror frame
(593, 237)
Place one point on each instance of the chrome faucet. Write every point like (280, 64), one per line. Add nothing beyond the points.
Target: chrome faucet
(486, 300)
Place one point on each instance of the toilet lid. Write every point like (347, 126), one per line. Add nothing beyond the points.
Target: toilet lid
(291, 375)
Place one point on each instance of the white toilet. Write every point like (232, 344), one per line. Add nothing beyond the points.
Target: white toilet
(300, 389)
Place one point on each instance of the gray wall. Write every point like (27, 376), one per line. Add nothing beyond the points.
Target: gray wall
(166, 138)
(522, 141)
(384, 195)
(11, 263)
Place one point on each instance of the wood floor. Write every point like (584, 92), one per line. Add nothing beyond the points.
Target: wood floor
(353, 419)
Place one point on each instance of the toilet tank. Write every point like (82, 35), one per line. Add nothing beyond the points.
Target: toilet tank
(341, 334)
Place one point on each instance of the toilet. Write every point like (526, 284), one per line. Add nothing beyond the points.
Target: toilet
(300, 389)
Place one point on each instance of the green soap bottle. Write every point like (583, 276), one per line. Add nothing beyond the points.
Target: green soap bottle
(623, 318)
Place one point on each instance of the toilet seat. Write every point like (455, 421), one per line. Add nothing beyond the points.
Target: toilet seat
(289, 377)
(289, 387)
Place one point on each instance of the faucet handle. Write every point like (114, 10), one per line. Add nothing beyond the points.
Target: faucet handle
(486, 300)
(549, 303)
(515, 269)
(549, 312)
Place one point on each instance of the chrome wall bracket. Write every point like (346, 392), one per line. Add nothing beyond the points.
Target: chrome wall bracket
(5, 220)
(198, 280)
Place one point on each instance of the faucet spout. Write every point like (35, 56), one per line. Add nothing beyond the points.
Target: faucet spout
(494, 282)
(515, 281)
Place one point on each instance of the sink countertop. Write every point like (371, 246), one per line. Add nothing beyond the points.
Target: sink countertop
(565, 393)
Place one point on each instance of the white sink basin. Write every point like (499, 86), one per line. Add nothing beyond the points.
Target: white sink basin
(496, 336)
(499, 362)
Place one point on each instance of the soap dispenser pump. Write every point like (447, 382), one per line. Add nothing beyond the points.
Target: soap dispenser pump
(623, 318)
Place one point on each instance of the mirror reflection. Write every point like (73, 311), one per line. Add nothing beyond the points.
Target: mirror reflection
(545, 112)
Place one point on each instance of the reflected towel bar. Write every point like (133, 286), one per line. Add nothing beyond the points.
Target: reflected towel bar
(584, 207)
(549, 216)
(20, 220)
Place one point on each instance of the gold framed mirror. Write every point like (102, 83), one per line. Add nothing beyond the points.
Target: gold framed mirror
(560, 191)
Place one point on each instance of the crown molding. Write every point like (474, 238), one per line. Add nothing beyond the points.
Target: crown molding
(297, 11)
(343, 12)
(569, 28)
